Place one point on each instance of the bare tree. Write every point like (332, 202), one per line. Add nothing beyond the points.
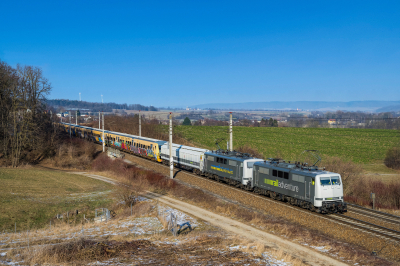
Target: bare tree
(24, 124)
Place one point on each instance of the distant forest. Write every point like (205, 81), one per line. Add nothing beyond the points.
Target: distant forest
(96, 107)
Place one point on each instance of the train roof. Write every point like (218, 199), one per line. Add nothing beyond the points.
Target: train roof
(295, 168)
(179, 146)
(160, 142)
(232, 155)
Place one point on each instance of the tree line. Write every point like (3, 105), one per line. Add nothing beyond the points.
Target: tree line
(62, 104)
(25, 127)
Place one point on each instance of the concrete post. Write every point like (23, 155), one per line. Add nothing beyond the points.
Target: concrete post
(69, 114)
(99, 120)
(104, 143)
(76, 117)
(373, 200)
(140, 125)
(230, 132)
(171, 160)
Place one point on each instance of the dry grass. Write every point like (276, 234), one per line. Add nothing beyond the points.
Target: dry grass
(202, 245)
(32, 197)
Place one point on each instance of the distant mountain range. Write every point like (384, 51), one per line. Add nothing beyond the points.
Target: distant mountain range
(371, 106)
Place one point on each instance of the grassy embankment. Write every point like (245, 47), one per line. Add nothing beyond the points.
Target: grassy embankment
(362, 146)
(32, 197)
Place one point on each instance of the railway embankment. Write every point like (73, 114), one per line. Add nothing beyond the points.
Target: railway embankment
(319, 228)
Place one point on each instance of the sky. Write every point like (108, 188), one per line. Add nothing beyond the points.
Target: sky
(183, 53)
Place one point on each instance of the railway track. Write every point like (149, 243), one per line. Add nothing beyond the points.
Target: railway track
(363, 226)
(389, 218)
(384, 232)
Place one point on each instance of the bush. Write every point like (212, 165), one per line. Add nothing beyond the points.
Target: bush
(74, 153)
(392, 159)
(357, 188)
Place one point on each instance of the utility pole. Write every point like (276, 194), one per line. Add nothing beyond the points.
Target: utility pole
(230, 132)
(104, 143)
(76, 117)
(171, 160)
(99, 120)
(69, 114)
(140, 125)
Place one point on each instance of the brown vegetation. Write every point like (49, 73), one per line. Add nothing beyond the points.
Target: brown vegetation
(74, 153)
(26, 133)
(392, 159)
(84, 250)
(357, 186)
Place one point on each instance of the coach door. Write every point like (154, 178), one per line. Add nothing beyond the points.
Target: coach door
(307, 188)
(255, 174)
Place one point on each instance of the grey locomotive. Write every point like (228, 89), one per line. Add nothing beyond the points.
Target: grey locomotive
(308, 187)
(234, 168)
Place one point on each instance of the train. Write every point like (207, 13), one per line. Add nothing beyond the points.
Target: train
(296, 183)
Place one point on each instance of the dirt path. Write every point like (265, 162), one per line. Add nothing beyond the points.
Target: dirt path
(302, 253)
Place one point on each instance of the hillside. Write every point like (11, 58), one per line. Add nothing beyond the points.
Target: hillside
(358, 145)
(304, 105)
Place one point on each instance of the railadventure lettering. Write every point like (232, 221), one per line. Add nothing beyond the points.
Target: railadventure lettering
(281, 184)
(222, 169)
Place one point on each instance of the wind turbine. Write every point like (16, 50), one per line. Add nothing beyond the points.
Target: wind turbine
(102, 98)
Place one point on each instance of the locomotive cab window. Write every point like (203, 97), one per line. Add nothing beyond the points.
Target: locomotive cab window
(335, 180)
(325, 181)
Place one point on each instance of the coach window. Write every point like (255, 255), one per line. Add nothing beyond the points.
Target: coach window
(274, 172)
(280, 174)
(225, 161)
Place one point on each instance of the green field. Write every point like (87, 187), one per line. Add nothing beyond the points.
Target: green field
(31, 197)
(359, 145)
